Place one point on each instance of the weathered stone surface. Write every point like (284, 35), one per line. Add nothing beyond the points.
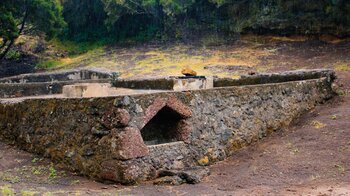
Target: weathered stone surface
(130, 144)
(183, 131)
(172, 102)
(169, 180)
(48, 83)
(98, 130)
(191, 176)
(194, 176)
(115, 118)
(125, 172)
(179, 107)
(153, 109)
(123, 102)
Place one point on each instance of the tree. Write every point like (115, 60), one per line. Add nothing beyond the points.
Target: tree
(85, 19)
(16, 15)
(141, 15)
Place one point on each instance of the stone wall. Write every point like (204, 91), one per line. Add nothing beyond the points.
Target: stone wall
(12, 90)
(137, 137)
(71, 75)
(268, 78)
(48, 83)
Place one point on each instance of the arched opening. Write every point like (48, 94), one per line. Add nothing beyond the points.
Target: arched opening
(162, 128)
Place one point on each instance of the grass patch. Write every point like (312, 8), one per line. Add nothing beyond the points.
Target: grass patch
(29, 193)
(7, 191)
(317, 124)
(160, 61)
(77, 48)
(49, 64)
(340, 168)
(345, 66)
(293, 149)
(7, 177)
(40, 170)
(53, 172)
(334, 117)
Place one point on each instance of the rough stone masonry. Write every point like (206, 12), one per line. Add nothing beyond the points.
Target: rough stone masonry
(135, 138)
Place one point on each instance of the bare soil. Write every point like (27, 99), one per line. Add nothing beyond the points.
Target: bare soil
(310, 157)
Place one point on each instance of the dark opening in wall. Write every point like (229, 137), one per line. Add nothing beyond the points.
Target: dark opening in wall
(162, 128)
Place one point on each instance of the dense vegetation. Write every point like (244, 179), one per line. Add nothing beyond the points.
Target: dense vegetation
(119, 20)
(147, 19)
(35, 15)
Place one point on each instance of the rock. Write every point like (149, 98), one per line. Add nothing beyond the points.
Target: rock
(163, 173)
(188, 72)
(115, 118)
(251, 73)
(192, 176)
(183, 110)
(138, 109)
(169, 180)
(99, 131)
(130, 144)
(183, 131)
(124, 102)
(88, 152)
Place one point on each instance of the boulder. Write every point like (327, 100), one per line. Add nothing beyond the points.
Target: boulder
(188, 72)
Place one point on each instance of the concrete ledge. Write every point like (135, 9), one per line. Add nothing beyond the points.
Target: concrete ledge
(70, 75)
(268, 78)
(12, 90)
(158, 83)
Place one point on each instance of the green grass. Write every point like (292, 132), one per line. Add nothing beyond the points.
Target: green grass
(48, 64)
(28, 193)
(8, 177)
(73, 50)
(53, 172)
(345, 66)
(7, 191)
(77, 48)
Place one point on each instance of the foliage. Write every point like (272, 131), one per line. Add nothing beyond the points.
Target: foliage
(148, 19)
(107, 21)
(85, 19)
(35, 15)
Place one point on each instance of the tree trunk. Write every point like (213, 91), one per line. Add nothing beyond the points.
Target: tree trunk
(2, 55)
(3, 45)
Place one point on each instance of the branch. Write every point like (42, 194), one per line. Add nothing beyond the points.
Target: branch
(23, 21)
(3, 54)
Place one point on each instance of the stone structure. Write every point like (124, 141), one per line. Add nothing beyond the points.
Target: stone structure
(48, 83)
(141, 137)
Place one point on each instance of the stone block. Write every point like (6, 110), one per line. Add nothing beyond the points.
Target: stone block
(115, 118)
(130, 144)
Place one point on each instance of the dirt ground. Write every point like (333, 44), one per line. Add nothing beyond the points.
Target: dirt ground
(311, 157)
